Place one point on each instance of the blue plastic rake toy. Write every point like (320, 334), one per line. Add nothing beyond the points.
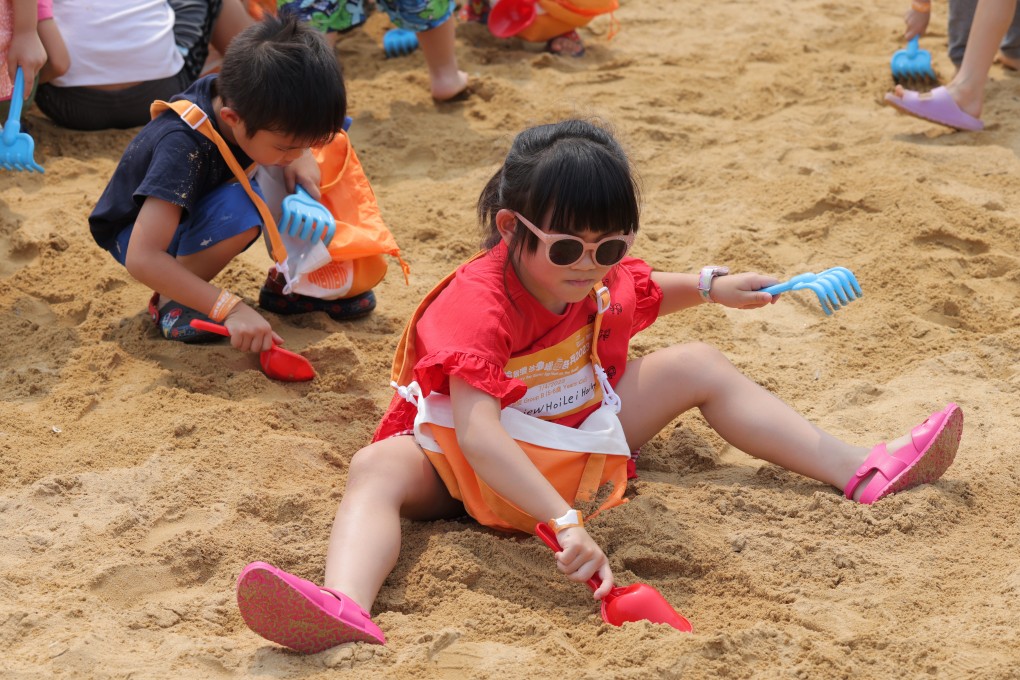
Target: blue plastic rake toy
(17, 148)
(834, 287)
(398, 42)
(305, 218)
(911, 66)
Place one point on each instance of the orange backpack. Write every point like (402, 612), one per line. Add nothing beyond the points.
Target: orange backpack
(361, 237)
(576, 461)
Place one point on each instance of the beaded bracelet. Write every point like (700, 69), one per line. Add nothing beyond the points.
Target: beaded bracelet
(224, 304)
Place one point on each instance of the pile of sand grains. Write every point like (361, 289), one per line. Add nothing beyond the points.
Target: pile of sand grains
(138, 476)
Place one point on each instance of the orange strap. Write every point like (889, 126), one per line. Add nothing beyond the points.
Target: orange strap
(197, 119)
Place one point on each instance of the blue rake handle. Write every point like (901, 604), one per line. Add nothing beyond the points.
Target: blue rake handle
(17, 148)
(834, 287)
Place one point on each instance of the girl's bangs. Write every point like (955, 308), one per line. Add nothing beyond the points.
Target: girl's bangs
(588, 190)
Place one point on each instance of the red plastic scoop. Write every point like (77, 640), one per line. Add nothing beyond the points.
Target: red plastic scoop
(509, 17)
(277, 363)
(636, 602)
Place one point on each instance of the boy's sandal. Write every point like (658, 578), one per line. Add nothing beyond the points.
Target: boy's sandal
(273, 299)
(174, 321)
(926, 458)
(297, 614)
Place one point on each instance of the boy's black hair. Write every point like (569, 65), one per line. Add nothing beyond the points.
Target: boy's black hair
(575, 168)
(280, 75)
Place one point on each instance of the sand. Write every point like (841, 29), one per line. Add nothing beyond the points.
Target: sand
(138, 476)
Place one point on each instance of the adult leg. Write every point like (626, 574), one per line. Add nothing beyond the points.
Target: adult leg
(658, 387)
(387, 480)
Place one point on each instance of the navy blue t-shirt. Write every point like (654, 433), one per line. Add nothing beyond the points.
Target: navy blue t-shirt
(167, 160)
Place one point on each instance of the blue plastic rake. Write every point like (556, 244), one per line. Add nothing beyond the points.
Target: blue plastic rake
(834, 287)
(911, 66)
(398, 42)
(305, 218)
(17, 148)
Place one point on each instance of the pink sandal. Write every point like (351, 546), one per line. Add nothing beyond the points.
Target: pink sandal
(930, 453)
(296, 613)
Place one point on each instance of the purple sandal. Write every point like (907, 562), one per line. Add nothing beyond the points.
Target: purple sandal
(937, 106)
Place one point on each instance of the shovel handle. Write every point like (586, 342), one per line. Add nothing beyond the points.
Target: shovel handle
(209, 326)
(548, 537)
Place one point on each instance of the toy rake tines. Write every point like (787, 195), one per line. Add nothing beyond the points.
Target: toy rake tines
(834, 287)
(911, 67)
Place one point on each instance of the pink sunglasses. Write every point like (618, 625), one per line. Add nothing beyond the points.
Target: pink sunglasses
(564, 250)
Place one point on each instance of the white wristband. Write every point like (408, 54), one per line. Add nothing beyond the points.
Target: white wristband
(705, 280)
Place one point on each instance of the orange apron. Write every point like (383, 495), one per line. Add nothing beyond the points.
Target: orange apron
(576, 461)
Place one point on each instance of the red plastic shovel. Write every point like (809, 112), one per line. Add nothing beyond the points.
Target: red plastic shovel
(636, 602)
(278, 363)
(509, 17)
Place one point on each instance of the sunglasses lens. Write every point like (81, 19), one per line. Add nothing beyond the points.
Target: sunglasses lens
(611, 252)
(565, 252)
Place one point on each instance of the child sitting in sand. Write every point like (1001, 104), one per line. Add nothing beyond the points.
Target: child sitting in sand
(172, 212)
(554, 302)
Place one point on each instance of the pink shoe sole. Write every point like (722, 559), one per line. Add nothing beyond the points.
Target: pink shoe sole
(275, 605)
(930, 462)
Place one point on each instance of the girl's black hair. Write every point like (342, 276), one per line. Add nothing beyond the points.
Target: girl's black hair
(280, 75)
(574, 168)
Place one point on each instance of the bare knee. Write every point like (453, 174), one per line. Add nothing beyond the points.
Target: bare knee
(701, 357)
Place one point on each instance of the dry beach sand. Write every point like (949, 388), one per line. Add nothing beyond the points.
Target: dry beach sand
(138, 476)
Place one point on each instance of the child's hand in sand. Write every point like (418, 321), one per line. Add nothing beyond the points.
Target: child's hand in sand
(249, 331)
(743, 291)
(916, 19)
(581, 558)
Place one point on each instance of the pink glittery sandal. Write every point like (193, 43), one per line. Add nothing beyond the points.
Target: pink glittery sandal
(297, 614)
(926, 458)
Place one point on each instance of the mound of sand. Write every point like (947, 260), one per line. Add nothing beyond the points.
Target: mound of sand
(138, 476)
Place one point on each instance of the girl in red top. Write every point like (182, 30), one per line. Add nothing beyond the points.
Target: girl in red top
(512, 329)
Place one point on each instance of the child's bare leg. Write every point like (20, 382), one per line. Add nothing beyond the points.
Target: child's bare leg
(438, 47)
(207, 263)
(387, 480)
(660, 386)
(232, 19)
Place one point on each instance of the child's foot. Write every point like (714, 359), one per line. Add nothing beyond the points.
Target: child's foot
(272, 298)
(1011, 63)
(920, 457)
(946, 105)
(297, 614)
(449, 88)
(568, 45)
(174, 321)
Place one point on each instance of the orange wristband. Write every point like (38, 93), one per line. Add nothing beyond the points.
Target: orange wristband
(921, 6)
(224, 304)
(573, 518)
